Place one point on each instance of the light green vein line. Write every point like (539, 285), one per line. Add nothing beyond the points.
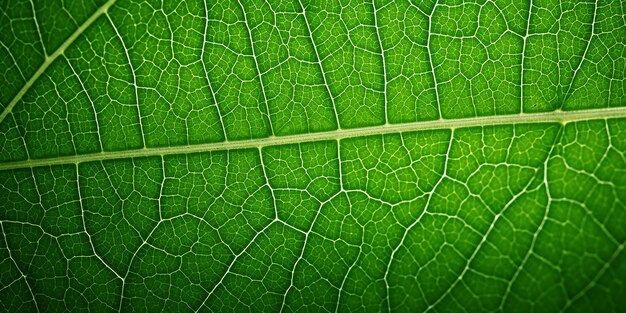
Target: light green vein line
(50, 59)
(562, 117)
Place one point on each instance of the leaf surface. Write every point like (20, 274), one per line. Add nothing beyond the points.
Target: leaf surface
(314, 156)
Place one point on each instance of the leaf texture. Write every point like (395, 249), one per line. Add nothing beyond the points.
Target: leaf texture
(320, 156)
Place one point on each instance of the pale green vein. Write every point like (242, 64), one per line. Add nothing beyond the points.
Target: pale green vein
(562, 117)
(51, 58)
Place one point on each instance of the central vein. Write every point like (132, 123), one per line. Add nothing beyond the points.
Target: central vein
(527, 118)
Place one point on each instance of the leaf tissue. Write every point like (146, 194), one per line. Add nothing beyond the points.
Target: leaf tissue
(313, 156)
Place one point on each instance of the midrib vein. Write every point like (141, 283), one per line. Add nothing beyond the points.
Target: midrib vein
(562, 117)
(51, 58)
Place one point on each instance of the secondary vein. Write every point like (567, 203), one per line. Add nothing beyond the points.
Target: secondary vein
(51, 58)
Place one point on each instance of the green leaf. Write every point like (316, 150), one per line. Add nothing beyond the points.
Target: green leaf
(439, 156)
